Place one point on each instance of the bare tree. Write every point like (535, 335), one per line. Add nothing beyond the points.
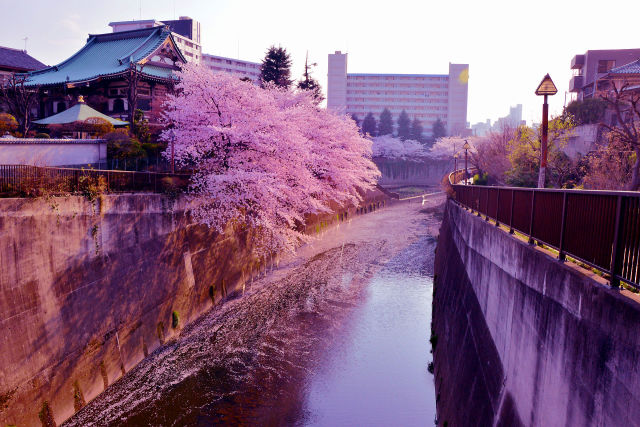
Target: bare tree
(18, 99)
(625, 105)
(133, 77)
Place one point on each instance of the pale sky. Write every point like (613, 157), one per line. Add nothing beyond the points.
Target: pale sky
(509, 44)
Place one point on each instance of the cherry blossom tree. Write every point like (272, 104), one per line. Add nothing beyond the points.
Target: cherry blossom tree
(264, 157)
(391, 147)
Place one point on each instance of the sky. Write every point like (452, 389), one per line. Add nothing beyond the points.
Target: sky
(509, 45)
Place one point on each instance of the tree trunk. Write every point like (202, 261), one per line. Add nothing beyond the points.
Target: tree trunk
(635, 173)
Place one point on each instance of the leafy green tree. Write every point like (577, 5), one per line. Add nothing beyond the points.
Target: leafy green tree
(524, 155)
(369, 125)
(404, 126)
(438, 129)
(385, 125)
(276, 68)
(416, 130)
(588, 111)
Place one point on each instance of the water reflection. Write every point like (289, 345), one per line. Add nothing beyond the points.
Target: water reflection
(376, 374)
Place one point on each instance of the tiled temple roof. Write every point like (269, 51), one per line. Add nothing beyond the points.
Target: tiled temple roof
(18, 60)
(108, 55)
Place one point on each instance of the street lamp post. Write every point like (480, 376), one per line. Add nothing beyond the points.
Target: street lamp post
(545, 88)
(466, 147)
(455, 162)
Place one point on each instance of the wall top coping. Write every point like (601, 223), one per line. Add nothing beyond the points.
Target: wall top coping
(13, 141)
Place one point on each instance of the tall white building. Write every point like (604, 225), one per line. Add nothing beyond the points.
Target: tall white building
(427, 97)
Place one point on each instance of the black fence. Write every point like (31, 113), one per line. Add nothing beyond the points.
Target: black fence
(24, 180)
(598, 228)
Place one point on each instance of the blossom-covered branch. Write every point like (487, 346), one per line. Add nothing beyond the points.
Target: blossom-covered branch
(264, 158)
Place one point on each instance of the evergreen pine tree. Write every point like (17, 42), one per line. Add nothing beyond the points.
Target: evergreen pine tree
(309, 83)
(369, 125)
(438, 129)
(276, 68)
(385, 126)
(404, 126)
(416, 130)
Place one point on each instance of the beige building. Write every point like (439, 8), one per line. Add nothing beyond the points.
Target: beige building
(427, 97)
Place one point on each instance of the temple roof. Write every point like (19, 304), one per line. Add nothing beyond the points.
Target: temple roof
(109, 55)
(18, 60)
(78, 113)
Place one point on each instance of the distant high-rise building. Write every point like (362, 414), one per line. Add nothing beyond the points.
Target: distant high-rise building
(186, 33)
(427, 97)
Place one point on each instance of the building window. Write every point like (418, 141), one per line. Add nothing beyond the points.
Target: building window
(118, 105)
(604, 65)
(144, 104)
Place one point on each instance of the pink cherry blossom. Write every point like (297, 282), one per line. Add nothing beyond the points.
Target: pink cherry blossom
(265, 158)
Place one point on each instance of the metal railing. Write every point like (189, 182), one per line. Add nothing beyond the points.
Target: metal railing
(457, 176)
(598, 228)
(25, 180)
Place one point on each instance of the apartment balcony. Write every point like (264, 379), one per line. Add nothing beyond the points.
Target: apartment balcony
(576, 83)
(577, 62)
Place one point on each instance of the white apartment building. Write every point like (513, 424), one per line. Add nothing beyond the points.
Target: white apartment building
(238, 67)
(186, 33)
(427, 97)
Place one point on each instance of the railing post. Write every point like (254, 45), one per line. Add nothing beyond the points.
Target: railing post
(533, 207)
(561, 255)
(487, 190)
(497, 207)
(615, 281)
(513, 197)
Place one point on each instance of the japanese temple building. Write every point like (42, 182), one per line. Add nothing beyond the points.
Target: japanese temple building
(99, 73)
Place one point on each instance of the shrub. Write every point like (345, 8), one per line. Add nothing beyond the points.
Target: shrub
(175, 319)
(590, 110)
(8, 123)
(42, 135)
(480, 180)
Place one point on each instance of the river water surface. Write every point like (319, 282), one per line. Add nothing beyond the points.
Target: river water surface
(376, 374)
(337, 336)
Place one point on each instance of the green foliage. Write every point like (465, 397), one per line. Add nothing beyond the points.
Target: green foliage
(140, 127)
(385, 125)
(175, 319)
(439, 130)
(481, 180)
(588, 111)
(523, 152)
(404, 126)
(122, 146)
(42, 135)
(8, 123)
(276, 68)
(369, 125)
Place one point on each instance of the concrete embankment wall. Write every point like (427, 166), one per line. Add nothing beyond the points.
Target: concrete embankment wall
(522, 339)
(423, 172)
(88, 289)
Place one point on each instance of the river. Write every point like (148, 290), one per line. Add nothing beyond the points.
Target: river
(337, 335)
